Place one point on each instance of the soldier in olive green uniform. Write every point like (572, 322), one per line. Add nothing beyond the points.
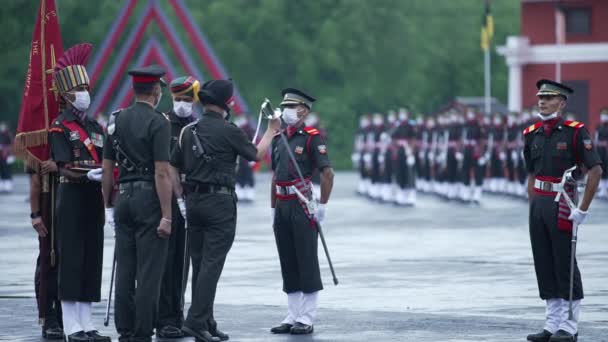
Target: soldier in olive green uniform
(552, 146)
(170, 315)
(76, 145)
(138, 141)
(206, 153)
(295, 229)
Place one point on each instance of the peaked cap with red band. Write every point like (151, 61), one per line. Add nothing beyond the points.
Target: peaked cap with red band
(148, 74)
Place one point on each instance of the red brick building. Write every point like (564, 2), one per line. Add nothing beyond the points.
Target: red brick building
(561, 39)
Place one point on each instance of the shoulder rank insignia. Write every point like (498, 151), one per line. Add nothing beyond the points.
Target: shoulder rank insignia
(532, 128)
(311, 131)
(573, 124)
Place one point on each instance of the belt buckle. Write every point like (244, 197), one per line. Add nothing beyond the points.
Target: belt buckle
(547, 186)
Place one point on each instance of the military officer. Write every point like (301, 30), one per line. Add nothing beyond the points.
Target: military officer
(207, 153)
(45, 279)
(472, 167)
(184, 91)
(602, 149)
(553, 145)
(294, 225)
(138, 139)
(76, 145)
(6, 158)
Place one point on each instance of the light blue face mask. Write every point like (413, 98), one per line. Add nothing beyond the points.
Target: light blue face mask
(547, 117)
(290, 116)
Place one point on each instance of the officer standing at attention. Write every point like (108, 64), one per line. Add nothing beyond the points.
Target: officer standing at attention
(184, 91)
(76, 144)
(207, 153)
(294, 226)
(138, 141)
(552, 146)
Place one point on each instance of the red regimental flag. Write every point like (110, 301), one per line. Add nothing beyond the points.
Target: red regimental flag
(39, 105)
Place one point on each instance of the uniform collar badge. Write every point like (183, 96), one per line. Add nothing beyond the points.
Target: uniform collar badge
(74, 135)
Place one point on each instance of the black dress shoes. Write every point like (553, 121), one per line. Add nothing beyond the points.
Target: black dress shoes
(219, 334)
(169, 331)
(79, 336)
(200, 335)
(301, 329)
(94, 335)
(563, 336)
(53, 333)
(542, 336)
(284, 328)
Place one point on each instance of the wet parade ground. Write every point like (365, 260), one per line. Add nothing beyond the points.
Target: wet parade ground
(438, 272)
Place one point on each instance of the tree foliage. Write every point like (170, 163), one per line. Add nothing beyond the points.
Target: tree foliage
(355, 56)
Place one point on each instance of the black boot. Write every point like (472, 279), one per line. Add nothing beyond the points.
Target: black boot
(542, 336)
(563, 336)
(219, 334)
(284, 328)
(52, 333)
(79, 336)
(301, 329)
(200, 335)
(169, 331)
(94, 335)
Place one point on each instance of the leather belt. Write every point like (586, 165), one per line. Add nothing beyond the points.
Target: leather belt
(136, 185)
(547, 186)
(65, 180)
(208, 189)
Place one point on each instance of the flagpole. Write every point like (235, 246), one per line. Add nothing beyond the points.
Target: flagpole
(488, 81)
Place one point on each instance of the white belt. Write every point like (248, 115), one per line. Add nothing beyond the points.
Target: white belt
(547, 186)
(285, 190)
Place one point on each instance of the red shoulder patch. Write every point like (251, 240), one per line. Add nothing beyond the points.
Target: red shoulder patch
(532, 128)
(574, 124)
(311, 131)
(55, 130)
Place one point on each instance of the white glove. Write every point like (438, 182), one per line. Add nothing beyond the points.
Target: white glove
(272, 213)
(410, 160)
(502, 156)
(514, 156)
(481, 161)
(421, 155)
(182, 207)
(577, 216)
(110, 218)
(10, 160)
(320, 213)
(459, 156)
(95, 175)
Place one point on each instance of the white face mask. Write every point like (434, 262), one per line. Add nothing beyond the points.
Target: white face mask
(82, 100)
(290, 116)
(604, 117)
(547, 117)
(182, 109)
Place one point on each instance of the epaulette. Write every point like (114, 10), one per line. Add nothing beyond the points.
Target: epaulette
(532, 128)
(574, 124)
(311, 131)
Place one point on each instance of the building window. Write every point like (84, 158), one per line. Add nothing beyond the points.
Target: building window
(578, 20)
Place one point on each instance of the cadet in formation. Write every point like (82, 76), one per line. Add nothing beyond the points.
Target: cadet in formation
(76, 146)
(137, 141)
(294, 225)
(207, 153)
(552, 146)
(6, 158)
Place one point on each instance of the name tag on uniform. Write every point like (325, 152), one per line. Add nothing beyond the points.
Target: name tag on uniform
(562, 146)
(97, 139)
(74, 135)
(299, 149)
(76, 153)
